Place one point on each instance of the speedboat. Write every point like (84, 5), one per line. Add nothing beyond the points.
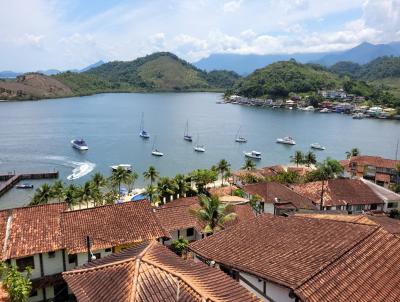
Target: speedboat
(324, 110)
(199, 148)
(126, 167)
(253, 154)
(317, 146)
(155, 152)
(79, 144)
(309, 108)
(286, 140)
(24, 186)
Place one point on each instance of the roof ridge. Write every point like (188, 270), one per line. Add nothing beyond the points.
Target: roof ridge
(102, 206)
(339, 257)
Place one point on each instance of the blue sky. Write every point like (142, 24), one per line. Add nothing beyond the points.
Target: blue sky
(42, 34)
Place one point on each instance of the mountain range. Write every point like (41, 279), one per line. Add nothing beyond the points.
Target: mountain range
(245, 64)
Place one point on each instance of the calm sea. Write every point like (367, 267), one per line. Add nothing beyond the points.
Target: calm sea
(35, 136)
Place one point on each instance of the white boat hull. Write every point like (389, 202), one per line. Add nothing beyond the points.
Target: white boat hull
(281, 141)
(241, 140)
(81, 148)
(199, 149)
(318, 147)
(156, 153)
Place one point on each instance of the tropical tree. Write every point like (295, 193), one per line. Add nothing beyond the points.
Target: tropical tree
(118, 177)
(151, 174)
(180, 245)
(213, 213)
(43, 194)
(310, 158)
(202, 177)
(16, 284)
(70, 194)
(98, 181)
(353, 152)
(222, 167)
(57, 190)
(287, 177)
(152, 191)
(130, 182)
(85, 193)
(182, 183)
(255, 203)
(328, 169)
(297, 158)
(166, 187)
(249, 165)
(110, 197)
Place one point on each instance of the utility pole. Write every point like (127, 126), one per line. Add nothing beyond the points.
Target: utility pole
(88, 245)
(321, 205)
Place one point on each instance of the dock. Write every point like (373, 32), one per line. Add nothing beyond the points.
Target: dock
(12, 179)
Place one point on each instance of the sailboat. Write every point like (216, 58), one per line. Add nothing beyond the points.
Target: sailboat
(186, 135)
(155, 151)
(197, 147)
(239, 138)
(143, 133)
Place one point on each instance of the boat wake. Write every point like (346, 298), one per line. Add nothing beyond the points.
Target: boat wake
(81, 169)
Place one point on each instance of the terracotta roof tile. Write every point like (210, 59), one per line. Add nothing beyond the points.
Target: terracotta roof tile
(368, 272)
(286, 251)
(376, 161)
(110, 225)
(150, 272)
(339, 192)
(270, 190)
(34, 230)
(382, 177)
(222, 191)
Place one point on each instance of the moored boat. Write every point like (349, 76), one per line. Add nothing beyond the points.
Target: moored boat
(253, 154)
(155, 151)
(24, 186)
(186, 135)
(358, 116)
(317, 146)
(143, 133)
(239, 138)
(286, 140)
(79, 144)
(325, 110)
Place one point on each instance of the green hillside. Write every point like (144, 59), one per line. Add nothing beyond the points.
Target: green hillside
(281, 78)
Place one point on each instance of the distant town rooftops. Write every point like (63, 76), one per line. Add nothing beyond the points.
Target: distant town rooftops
(150, 272)
(338, 192)
(311, 257)
(376, 161)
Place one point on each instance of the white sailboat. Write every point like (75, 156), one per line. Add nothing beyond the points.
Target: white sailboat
(197, 147)
(186, 135)
(143, 133)
(155, 151)
(239, 138)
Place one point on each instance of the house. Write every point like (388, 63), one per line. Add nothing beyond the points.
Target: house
(50, 239)
(277, 198)
(304, 259)
(380, 170)
(150, 272)
(390, 198)
(176, 218)
(341, 194)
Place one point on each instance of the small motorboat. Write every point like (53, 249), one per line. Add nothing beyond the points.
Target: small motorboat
(358, 116)
(253, 154)
(324, 110)
(309, 108)
(126, 167)
(24, 186)
(79, 144)
(286, 140)
(199, 148)
(317, 146)
(155, 152)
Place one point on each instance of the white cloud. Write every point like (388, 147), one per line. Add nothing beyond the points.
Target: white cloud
(232, 6)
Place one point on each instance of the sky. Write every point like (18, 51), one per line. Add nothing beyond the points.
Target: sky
(44, 34)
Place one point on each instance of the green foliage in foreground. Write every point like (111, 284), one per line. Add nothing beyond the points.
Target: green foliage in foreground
(16, 284)
(180, 245)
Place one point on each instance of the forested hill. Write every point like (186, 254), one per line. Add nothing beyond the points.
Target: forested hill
(281, 78)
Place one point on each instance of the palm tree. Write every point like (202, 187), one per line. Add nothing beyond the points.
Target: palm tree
(99, 181)
(110, 197)
(297, 158)
(223, 167)
(151, 191)
(182, 184)
(133, 176)
(166, 187)
(57, 190)
(310, 158)
(213, 213)
(42, 195)
(70, 194)
(119, 176)
(249, 165)
(85, 193)
(202, 177)
(353, 152)
(151, 174)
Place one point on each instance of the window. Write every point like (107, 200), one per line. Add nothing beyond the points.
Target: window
(190, 232)
(23, 263)
(107, 250)
(72, 259)
(97, 255)
(52, 254)
(393, 204)
(374, 206)
(33, 293)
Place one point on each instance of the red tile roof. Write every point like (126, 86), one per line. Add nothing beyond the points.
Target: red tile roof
(368, 272)
(110, 225)
(222, 191)
(376, 161)
(382, 177)
(287, 251)
(176, 215)
(270, 190)
(150, 272)
(339, 192)
(33, 230)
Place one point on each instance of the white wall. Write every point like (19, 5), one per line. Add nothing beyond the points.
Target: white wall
(35, 271)
(54, 265)
(83, 257)
(182, 233)
(275, 292)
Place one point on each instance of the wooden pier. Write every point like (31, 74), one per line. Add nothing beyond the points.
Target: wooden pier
(12, 179)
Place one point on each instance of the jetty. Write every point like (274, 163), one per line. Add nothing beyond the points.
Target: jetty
(11, 179)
